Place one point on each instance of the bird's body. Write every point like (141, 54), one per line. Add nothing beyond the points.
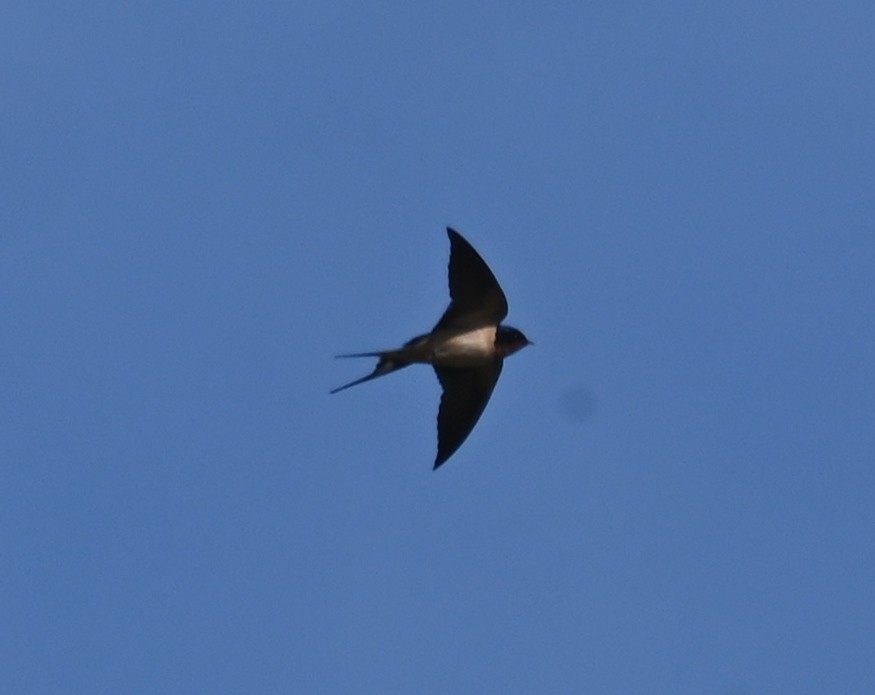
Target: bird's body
(460, 348)
(466, 347)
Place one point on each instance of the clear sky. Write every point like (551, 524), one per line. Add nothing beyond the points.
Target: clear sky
(673, 491)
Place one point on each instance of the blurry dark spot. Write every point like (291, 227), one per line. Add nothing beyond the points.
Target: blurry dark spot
(578, 404)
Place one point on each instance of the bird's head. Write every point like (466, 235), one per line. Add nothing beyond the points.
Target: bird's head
(509, 340)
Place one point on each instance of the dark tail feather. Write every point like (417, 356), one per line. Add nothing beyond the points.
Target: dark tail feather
(363, 354)
(387, 364)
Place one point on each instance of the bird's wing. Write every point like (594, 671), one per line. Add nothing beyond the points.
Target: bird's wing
(476, 297)
(466, 393)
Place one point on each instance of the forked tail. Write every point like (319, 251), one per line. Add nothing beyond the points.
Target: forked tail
(389, 362)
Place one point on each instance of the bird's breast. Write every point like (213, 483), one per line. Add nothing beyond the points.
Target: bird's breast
(464, 349)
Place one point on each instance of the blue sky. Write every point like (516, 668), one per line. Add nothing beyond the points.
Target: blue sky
(672, 492)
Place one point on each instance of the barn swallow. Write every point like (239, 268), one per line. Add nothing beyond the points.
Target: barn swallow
(466, 347)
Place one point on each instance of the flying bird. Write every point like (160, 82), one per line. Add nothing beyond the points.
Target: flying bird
(466, 347)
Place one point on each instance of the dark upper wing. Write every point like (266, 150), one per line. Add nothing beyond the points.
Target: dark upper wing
(476, 296)
(466, 393)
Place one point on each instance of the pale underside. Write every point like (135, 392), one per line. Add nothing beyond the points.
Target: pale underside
(453, 348)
